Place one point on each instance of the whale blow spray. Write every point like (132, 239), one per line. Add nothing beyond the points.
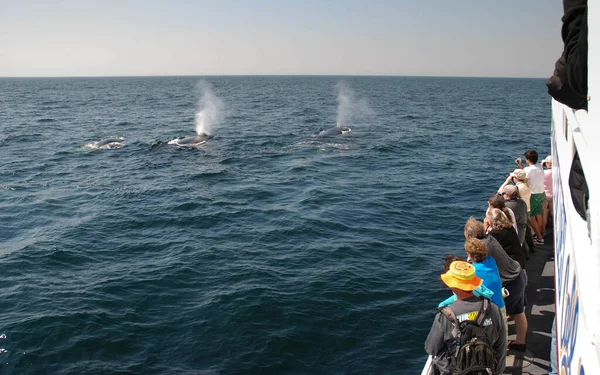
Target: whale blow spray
(209, 109)
(349, 106)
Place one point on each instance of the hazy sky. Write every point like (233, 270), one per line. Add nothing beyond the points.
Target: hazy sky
(500, 38)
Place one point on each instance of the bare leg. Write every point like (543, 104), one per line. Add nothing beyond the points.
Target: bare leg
(536, 223)
(545, 213)
(521, 325)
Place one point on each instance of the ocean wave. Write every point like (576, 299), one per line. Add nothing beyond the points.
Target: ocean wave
(265, 251)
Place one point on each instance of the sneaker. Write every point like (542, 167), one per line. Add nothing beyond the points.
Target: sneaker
(516, 347)
(537, 241)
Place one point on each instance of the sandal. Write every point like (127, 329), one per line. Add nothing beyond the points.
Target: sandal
(516, 347)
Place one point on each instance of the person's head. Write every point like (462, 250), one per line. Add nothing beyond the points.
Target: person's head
(531, 156)
(498, 219)
(519, 175)
(511, 192)
(461, 278)
(448, 261)
(547, 162)
(496, 201)
(474, 228)
(476, 249)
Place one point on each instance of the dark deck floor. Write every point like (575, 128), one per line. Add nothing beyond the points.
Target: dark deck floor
(540, 313)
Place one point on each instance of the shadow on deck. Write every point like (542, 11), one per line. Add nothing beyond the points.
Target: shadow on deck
(540, 313)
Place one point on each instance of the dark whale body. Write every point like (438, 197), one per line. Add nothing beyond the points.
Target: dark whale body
(192, 141)
(333, 131)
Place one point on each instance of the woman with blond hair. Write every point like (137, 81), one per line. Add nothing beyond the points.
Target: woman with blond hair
(498, 225)
(497, 201)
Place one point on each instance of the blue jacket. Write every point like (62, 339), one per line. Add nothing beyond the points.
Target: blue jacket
(488, 271)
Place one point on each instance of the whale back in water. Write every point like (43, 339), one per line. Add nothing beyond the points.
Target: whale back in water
(108, 141)
(192, 141)
(334, 131)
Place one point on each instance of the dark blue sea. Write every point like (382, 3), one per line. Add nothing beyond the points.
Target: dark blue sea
(267, 250)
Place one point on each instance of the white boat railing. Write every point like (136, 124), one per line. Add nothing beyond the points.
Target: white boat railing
(427, 369)
(577, 243)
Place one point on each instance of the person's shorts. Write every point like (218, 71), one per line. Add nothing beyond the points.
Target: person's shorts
(537, 202)
(516, 301)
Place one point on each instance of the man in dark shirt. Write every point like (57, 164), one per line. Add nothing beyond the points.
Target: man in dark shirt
(461, 279)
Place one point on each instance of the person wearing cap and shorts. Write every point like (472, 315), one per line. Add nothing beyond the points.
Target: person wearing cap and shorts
(548, 208)
(535, 177)
(461, 279)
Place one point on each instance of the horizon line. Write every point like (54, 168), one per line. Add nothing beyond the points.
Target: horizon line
(271, 75)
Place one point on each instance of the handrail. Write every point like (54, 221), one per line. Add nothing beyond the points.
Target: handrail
(427, 367)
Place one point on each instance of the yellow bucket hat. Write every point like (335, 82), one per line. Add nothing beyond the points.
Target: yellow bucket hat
(461, 275)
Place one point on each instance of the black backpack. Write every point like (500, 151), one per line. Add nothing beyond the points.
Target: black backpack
(473, 353)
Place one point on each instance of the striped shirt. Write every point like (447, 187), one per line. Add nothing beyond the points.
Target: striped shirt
(508, 268)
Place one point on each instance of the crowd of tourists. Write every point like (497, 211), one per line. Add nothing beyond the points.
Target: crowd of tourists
(470, 330)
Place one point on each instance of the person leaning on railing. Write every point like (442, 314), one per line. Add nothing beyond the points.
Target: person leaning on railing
(508, 268)
(519, 178)
(513, 278)
(487, 269)
(482, 291)
(512, 200)
(502, 230)
(441, 341)
(497, 201)
(535, 177)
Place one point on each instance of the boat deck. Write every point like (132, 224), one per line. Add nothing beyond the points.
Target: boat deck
(540, 313)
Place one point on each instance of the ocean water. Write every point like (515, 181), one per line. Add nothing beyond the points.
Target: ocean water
(265, 251)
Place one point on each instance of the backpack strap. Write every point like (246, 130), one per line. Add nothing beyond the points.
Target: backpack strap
(482, 311)
(451, 316)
